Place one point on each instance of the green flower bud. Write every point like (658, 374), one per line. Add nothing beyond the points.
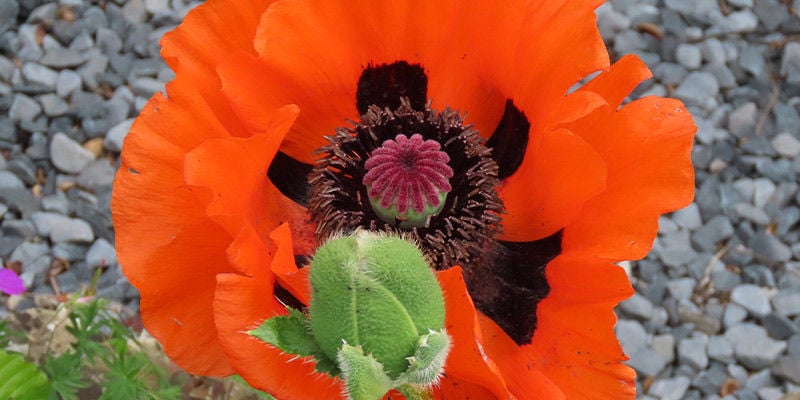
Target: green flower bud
(377, 293)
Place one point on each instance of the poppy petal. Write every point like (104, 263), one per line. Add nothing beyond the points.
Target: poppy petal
(240, 304)
(204, 39)
(168, 248)
(647, 146)
(575, 345)
(547, 191)
(234, 171)
(619, 80)
(301, 44)
(468, 361)
(565, 30)
(291, 278)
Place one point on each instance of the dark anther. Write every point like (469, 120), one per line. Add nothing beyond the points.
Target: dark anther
(290, 177)
(383, 86)
(286, 298)
(509, 140)
(509, 282)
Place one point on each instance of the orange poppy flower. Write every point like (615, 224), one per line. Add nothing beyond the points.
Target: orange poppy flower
(214, 220)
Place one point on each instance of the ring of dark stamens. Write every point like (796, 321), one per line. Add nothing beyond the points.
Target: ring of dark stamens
(470, 219)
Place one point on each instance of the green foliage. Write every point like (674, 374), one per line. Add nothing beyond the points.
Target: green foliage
(104, 357)
(20, 380)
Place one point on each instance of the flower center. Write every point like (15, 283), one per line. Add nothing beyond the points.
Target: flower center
(438, 185)
(407, 180)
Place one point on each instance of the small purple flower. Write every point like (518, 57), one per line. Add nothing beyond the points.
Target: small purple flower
(10, 283)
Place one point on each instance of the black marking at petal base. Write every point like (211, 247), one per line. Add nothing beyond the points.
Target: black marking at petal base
(286, 298)
(290, 177)
(509, 140)
(509, 282)
(384, 85)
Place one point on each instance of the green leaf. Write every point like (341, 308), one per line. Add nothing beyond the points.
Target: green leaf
(21, 380)
(289, 333)
(65, 374)
(364, 376)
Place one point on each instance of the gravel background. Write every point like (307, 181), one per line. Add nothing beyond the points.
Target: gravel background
(717, 313)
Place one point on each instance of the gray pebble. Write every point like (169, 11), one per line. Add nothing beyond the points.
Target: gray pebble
(116, 135)
(64, 229)
(763, 189)
(786, 145)
(699, 89)
(787, 303)
(742, 120)
(734, 315)
(8, 14)
(689, 217)
(753, 348)
(68, 155)
(8, 180)
(682, 288)
(24, 108)
(692, 351)
(40, 75)
(62, 58)
(69, 251)
(738, 22)
(779, 326)
(670, 388)
(108, 41)
(56, 203)
(751, 213)
(68, 82)
(713, 232)
(147, 87)
(689, 56)
(638, 307)
(790, 63)
(720, 349)
(752, 60)
(99, 173)
(101, 254)
(753, 298)
(134, 11)
(769, 249)
(646, 361)
(52, 105)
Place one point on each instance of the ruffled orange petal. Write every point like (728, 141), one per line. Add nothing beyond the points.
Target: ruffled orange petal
(563, 46)
(559, 174)
(233, 170)
(619, 80)
(243, 301)
(467, 360)
(290, 277)
(166, 245)
(204, 39)
(574, 344)
(647, 146)
(482, 353)
(314, 53)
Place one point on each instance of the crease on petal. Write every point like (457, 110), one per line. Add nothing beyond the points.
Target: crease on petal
(467, 360)
(647, 147)
(234, 173)
(283, 265)
(559, 173)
